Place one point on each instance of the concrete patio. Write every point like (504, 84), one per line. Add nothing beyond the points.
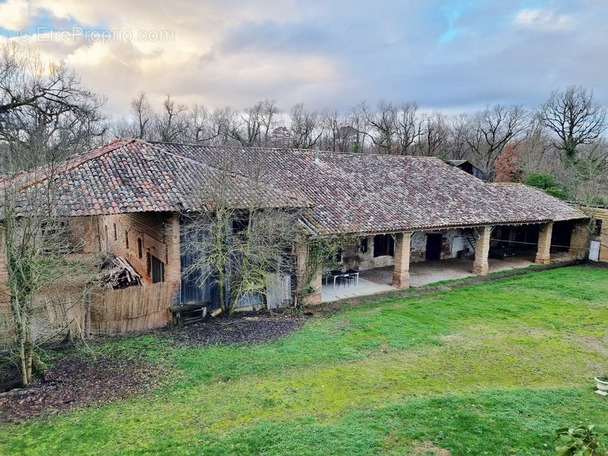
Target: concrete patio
(379, 280)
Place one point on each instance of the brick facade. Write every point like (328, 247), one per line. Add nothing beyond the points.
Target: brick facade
(401, 271)
(138, 236)
(85, 234)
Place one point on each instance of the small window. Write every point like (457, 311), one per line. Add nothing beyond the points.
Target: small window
(156, 269)
(115, 233)
(384, 245)
(240, 225)
(598, 227)
(106, 230)
(127, 239)
(140, 248)
(363, 246)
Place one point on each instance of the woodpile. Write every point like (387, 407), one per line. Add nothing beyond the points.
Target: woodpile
(121, 275)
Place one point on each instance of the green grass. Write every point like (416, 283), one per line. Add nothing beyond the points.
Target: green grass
(490, 369)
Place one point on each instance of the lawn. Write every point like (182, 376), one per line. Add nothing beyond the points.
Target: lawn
(485, 369)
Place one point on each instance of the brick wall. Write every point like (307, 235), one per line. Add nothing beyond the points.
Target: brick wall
(133, 236)
(85, 236)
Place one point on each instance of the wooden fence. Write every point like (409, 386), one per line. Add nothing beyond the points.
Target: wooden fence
(76, 314)
(130, 309)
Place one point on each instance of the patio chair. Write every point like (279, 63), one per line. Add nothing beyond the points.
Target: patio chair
(345, 279)
(354, 275)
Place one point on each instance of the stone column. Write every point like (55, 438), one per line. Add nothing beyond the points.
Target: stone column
(543, 254)
(579, 239)
(482, 248)
(401, 270)
(310, 292)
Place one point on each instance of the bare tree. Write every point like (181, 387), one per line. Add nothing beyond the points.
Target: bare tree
(434, 136)
(44, 114)
(458, 127)
(171, 123)
(242, 247)
(392, 128)
(144, 115)
(408, 127)
(380, 125)
(256, 123)
(339, 134)
(305, 127)
(269, 111)
(574, 117)
(225, 122)
(593, 170)
(491, 129)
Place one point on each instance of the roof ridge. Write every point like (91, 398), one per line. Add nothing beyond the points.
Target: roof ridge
(215, 146)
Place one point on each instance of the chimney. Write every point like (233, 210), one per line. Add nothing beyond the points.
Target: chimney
(317, 159)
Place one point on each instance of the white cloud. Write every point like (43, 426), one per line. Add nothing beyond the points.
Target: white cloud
(325, 54)
(543, 19)
(14, 14)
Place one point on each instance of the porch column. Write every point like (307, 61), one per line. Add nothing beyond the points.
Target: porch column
(543, 254)
(482, 249)
(579, 239)
(173, 268)
(401, 271)
(309, 281)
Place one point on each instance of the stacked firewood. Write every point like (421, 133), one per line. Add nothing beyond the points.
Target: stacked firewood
(121, 275)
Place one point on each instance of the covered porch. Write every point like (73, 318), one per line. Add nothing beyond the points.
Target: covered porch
(414, 259)
(379, 280)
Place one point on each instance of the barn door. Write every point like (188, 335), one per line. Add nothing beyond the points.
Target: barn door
(594, 251)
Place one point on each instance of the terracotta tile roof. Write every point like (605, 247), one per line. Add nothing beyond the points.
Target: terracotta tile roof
(136, 176)
(355, 193)
(345, 193)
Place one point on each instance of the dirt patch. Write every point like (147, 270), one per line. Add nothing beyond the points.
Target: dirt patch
(75, 382)
(246, 328)
(428, 448)
(596, 344)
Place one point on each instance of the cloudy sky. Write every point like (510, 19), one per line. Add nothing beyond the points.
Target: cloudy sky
(451, 55)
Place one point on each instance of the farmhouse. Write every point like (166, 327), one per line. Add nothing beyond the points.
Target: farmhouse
(130, 196)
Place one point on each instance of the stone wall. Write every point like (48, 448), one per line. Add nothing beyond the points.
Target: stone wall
(360, 255)
(600, 214)
(452, 242)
